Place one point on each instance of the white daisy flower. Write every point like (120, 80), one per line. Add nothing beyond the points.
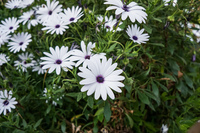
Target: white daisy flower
(38, 68)
(26, 3)
(6, 102)
(47, 11)
(12, 4)
(164, 128)
(136, 35)
(3, 59)
(9, 25)
(59, 58)
(29, 17)
(55, 25)
(4, 37)
(100, 77)
(19, 42)
(167, 2)
(25, 61)
(85, 54)
(71, 15)
(132, 10)
(110, 23)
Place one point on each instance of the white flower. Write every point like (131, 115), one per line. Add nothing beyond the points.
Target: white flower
(72, 15)
(25, 61)
(12, 4)
(85, 54)
(59, 58)
(38, 68)
(6, 102)
(167, 2)
(3, 59)
(110, 23)
(132, 10)
(164, 128)
(4, 37)
(136, 35)
(47, 11)
(100, 77)
(19, 41)
(9, 25)
(26, 3)
(55, 25)
(30, 18)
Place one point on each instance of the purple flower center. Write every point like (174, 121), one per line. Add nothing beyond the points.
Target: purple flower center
(41, 66)
(50, 12)
(58, 61)
(135, 38)
(25, 62)
(125, 8)
(57, 26)
(11, 28)
(100, 79)
(21, 43)
(87, 57)
(108, 27)
(71, 19)
(6, 102)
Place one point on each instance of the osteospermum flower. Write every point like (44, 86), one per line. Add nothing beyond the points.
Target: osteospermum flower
(4, 37)
(164, 128)
(136, 35)
(72, 15)
(30, 18)
(25, 61)
(47, 11)
(3, 59)
(19, 42)
(132, 10)
(85, 54)
(55, 25)
(59, 58)
(167, 2)
(110, 23)
(9, 25)
(12, 4)
(6, 102)
(38, 68)
(26, 3)
(100, 77)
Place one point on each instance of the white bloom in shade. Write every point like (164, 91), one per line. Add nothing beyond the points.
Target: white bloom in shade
(38, 68)
(164, 128)
(3, 59)
(100, 77)
(30, 18)
(55, 25)
(85, 54)
(167, 2)
(110, 23)
(132, 10)
(136, 35)
(25, 61)
(72, 15)
(19, 42)
(6, 102)
(4, 37)
(59, 58)
(47, 11)
(12, 4)
(9, 25)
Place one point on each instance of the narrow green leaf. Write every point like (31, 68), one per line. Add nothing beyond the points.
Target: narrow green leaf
(148, 29)
(155, 89)
(162, 86)
(37, 123)
(130, 120)
(107, 111)
(90, 102)
(24, 123)
(143, 98)
(79, 96)
(157, 44)
(99, 111)
(63, 127)
(188, 81)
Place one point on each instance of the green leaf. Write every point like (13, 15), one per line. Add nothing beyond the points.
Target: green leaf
(162, 86)
(112, 47)
(130, 120)
(24, 123)
(63, 127)
(157, 19)
(37, 123)
(188, 81)
(107, 111)
(143, 98)
(90, 102)
(169, 76)
(72, 94)
(155, 89)
(182, 88)
(157, 44)
(79, 96)
(48, 109)
(148, 29)
(99, 111)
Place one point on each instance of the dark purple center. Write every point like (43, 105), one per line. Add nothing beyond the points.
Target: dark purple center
(41, 66)
(50, 12)
(57, 26)
(11, 28)
(21, 43)
(125, 8)
(6, 102)
(71, 19)
(108, 27)
(135, 38)
(87, 57)
(100, 79)
(58, 61)
(25, 62)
